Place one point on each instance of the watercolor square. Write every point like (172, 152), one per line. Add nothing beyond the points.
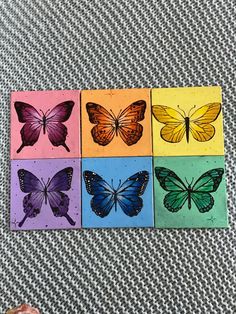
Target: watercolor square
(187, 121)
(190, 192)
(117, 192)
(116, 122)
(45, 124)
(49, 191)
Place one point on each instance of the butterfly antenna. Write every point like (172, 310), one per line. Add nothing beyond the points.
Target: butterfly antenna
(43, 181)
(186, 181)
(119, 114)
(191, 110)
(119, 185)
(47, 112)
(192, 181)
(42, 112)
(112, 184)
(113, 115)
(182, 111)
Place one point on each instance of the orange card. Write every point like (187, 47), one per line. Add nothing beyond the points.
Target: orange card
(116, 123)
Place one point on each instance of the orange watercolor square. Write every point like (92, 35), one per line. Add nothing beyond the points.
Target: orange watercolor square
(116, 122)
(32, 107)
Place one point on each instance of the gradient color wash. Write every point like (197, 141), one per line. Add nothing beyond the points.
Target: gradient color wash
(188, 100)
(193, 168)
(116, 100)
(43, 148)
(118, 169)
(45, 169)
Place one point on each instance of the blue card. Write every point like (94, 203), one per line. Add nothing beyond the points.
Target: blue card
(117, 192)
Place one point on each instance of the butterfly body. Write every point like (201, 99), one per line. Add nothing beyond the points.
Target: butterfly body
(179, 192)
(116, 126)
(51, 192)
(127, 195)
(190, 191)
(125, 124)
(186, 119)
(51, 121)
(114, 196)
(45, 190)
(178, 124)
(115, 193)
(44, 120)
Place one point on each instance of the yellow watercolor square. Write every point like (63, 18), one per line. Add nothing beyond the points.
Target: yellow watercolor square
(186, 101)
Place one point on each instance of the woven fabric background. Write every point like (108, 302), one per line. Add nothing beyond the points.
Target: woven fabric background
(118, 44)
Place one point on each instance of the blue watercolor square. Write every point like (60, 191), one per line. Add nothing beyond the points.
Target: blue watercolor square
(118, 170)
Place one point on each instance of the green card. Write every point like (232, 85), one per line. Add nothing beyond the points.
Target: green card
(190, 192)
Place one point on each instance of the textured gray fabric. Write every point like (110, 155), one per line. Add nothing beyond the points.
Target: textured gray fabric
(118, 44)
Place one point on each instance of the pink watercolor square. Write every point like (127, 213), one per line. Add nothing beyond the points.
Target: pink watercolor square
(48, 132)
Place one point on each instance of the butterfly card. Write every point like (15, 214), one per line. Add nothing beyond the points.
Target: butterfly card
(116, 123)
(187, 121)
(45, 124)
(45, 194)
(117, 192)
(190, 192)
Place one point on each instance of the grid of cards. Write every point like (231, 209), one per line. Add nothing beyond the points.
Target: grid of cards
(118, 158)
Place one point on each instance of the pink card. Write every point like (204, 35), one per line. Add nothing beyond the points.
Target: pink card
(45, 124)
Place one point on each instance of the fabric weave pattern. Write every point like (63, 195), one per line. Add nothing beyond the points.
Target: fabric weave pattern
(118, 44)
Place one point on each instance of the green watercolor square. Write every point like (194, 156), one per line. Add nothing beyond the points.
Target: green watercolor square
(191, 167)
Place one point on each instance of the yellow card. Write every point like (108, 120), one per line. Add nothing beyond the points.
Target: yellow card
(187, 121)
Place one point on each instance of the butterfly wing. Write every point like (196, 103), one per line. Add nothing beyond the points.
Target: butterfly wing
(174, 201)
(209, 181)
(128, 195)
(33, 201)
(59, 201)
(61, 181)
(128, 127)
(203, 201)
(174, 128)
(200, 120)
(206, 184)
(29, 182)
(169, 181)
(57, 131)
(105, 128)
(61, 112)
(103, 195)
(33, 123)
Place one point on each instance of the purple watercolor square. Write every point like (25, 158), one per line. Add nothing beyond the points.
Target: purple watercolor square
(45, 219)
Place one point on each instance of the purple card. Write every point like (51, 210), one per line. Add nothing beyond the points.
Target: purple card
(45, 194)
